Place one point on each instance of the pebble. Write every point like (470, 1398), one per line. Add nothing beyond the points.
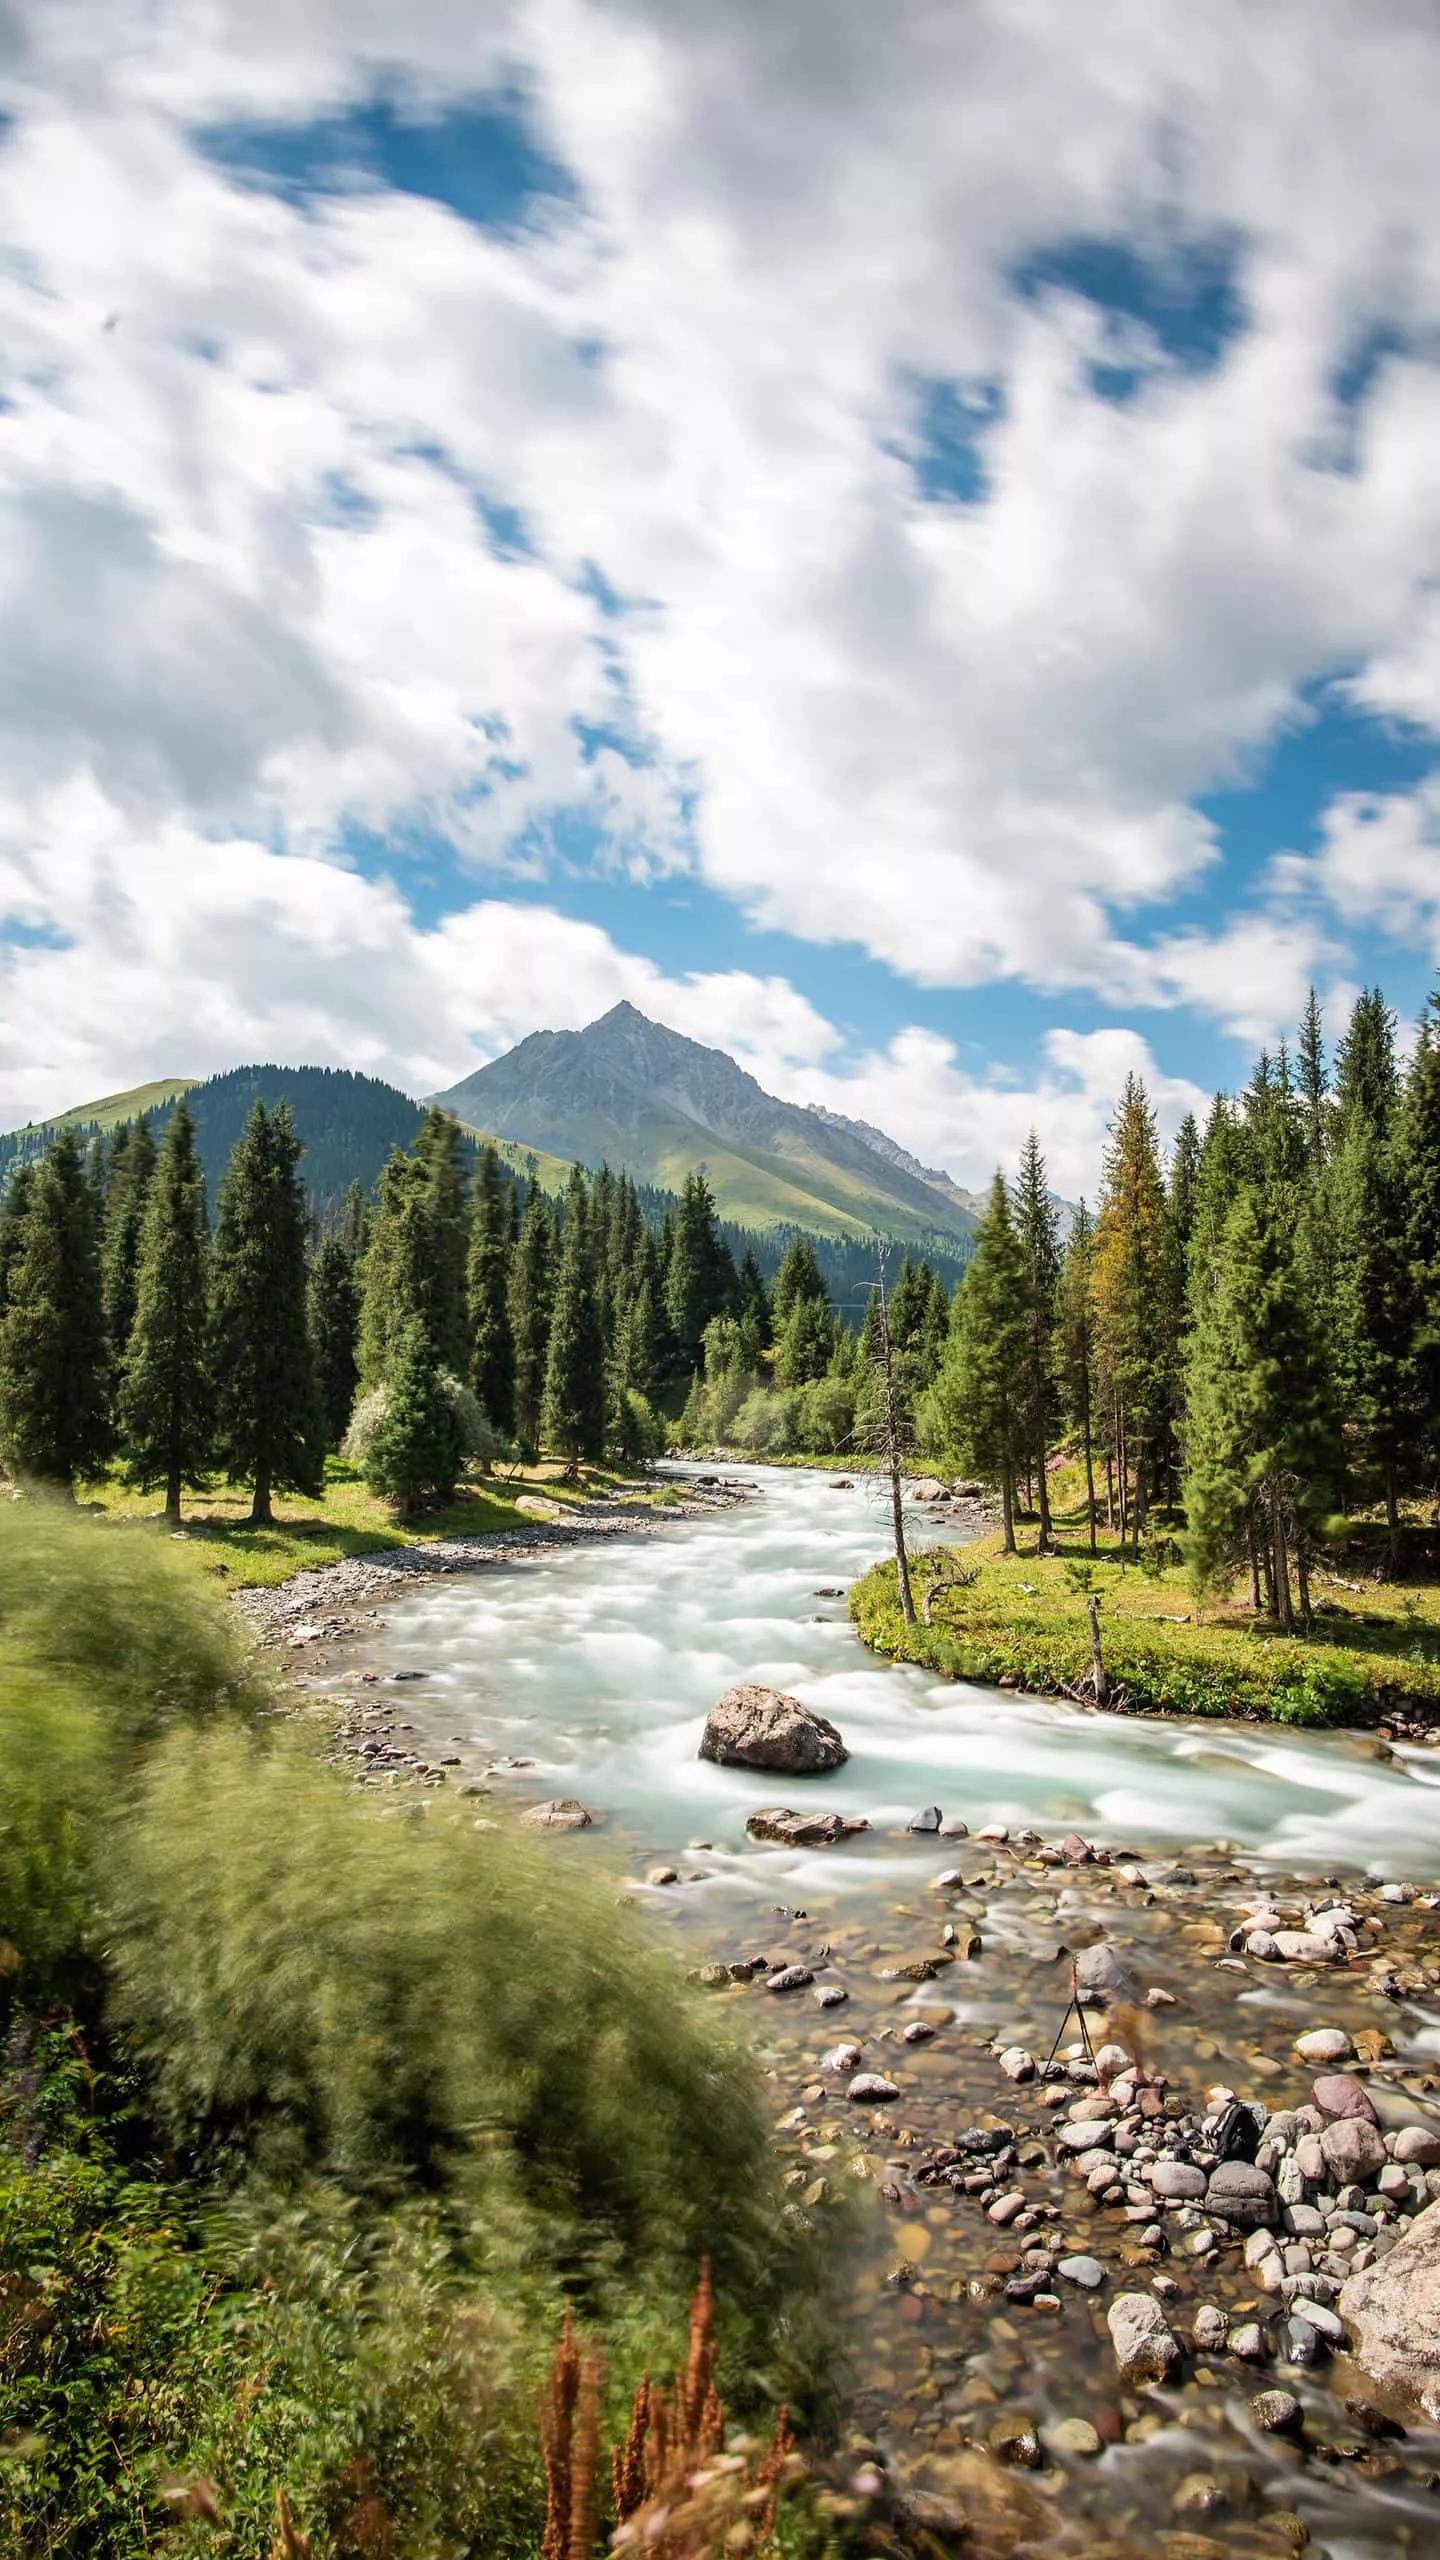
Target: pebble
(1417, 2146)
(790, 1977)
(1278, 2412)
(1146, 2347)
(830, 1995)
(1339, 2094)
(1248, 2342)
(1074, 2436)
(1086, 2272)
(1325, 2044)
(870, 2089)
(841, 2057)
(1017, 2064)
(1210, 2328)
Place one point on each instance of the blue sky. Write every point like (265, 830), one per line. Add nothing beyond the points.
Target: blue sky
(909, 550)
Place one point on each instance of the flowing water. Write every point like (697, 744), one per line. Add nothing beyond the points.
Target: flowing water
(593, 1667)
(598, 1663)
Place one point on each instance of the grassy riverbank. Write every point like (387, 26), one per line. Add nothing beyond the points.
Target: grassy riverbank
(348, 1520)
(1023, 1622)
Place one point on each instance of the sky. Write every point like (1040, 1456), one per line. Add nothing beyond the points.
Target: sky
(905, 542)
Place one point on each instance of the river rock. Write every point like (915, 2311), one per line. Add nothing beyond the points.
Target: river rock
(789, 1977)
(1339, 2093)
(928, 1489)
(1417, 2146)
(871, 2089)
(1210, 2328)
(1086, 2272)
(1243, 2194)
(1278, 2412)
(1146, 2347)
(1016, 2063)
(803, 1830)
(1354, 2151)
(1392, 2311)
(561, 1813)
(1176, 2181)
(757, 1728)
(1324, 2045)
(1101, 1978)
(928, 1819)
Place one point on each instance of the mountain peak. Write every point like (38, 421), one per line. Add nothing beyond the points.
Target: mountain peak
(648, 1100)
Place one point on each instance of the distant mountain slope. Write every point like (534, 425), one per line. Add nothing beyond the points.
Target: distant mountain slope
(112, 1108)
(632, 1093)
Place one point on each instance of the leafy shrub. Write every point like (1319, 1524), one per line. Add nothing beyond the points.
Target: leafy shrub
(639, 1429)
(481, 1445)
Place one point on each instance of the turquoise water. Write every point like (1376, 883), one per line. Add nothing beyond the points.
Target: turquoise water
(599, 1662)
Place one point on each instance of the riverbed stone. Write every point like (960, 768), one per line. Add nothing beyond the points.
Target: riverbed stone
(752, 1727)
(1339, 2093)
(1101, 1977)
(1176, 2181)
(1243, 2194)
(1146, 2347)
(1086, 2272)
(872, 2089)
(1325, 2045)
(1392, 2311)
(1417, 2146)
(803, 1830)
(1278, 2412)
(1016, 2063)
(559, 1813)
(1353, 2150)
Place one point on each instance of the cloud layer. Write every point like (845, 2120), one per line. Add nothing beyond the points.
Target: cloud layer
(331, 511)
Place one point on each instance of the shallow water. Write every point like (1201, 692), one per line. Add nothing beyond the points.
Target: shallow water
(598, 1663)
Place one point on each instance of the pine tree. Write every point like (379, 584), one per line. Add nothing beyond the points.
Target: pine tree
(573, 1414)
(700, 1280)
(14, 1209)
(334, 1301)
(1313, 1084)
(799, 1276)
(1373, 1312)
(131, 1168)
(530, 1291)
(492, 1355)
(54, 1422)
(164, 1398)
(1260, 1446)
(414, 1456)
(754, 1303)
(1075, 1346)
(1367, 1080)
(270, 1427)
(1184, 1181)
(440, 1153)
(1417, 1170)
(1137, 1304)
(804, 1343)
(397, 1273)
(1037, 1227)
(974, 1415)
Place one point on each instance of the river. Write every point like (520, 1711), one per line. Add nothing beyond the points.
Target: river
(592, 1667)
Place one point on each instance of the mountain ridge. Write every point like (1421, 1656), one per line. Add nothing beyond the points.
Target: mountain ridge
(638, 1095)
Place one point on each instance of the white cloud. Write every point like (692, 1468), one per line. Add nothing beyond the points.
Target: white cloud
(1379, 861)
(245, 590)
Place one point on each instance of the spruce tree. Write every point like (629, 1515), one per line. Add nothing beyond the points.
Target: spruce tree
(492, 1345)
(1037, 1227)
(1260, 1443)
(54, 1381)
(1075, 1346)
(531, 1285)
(396, 1276)
(1184, 1181)
(804, 1343)
(1137, 1304)
(164, 1400)
(1367, 1079)
(131, 1168)
(700, 1279)
(1417, 1170)
(414, 1456)
(270, 1429)
(574, 1409)
(1373, 1312)
(754, 1302)
(440, 1153)
(799, 1276)
(1313, 1086)
(334, 1300)
(14, 1209)
(974, 1416)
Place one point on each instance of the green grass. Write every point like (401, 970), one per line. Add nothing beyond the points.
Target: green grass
(347, 1520)
(112, 1108)
(1023, 1621)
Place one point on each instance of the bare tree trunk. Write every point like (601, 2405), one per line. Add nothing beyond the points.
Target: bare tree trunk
(1110, 1489)
(890, 1409)
(1007, 1511)
(1122, 1477)
(1097, 1658)
(261, 1514)
(1254, 1566)
(1302, 1576)
(1282, 1560)
(1045, 1543)
(1089, 1468)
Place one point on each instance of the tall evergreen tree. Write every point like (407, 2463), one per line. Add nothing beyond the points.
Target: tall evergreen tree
(334, 1300)
(574, 1410)
(54, 1422)
(1417, 1171)
(1136, 1303)
(270, 1427)
(1373, 1311)
(1260, 1446)
(492, 1354)
(1367, 1079)
(530, 1293)
(799, 1276)
(131, 1168)
(1184, 1182)
(974, 1416)
(700, 1279)
(754, 1302)
(14, 1209)
(1037, 1227)
(804, 1343)
(414, 1456)
(440, 1152)
(1075, 1346)
(164, 1400)
(1313, 1085)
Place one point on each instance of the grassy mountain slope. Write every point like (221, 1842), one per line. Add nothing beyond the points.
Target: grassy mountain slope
(112, 1108)
(632, 1093)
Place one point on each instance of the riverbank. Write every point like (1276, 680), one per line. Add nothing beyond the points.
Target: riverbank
(1022, 1622)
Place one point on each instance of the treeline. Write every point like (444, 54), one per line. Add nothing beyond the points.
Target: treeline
(1248, 1332)
(789, 1376)
(458, 1315)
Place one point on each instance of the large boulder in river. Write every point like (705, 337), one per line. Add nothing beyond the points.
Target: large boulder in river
(1392, 2311)
(756, 1728)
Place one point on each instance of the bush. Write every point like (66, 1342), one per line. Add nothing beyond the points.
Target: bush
(481, 1445)
(639, 1430)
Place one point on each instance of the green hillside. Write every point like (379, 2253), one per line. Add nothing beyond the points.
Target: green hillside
(112, 1108)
